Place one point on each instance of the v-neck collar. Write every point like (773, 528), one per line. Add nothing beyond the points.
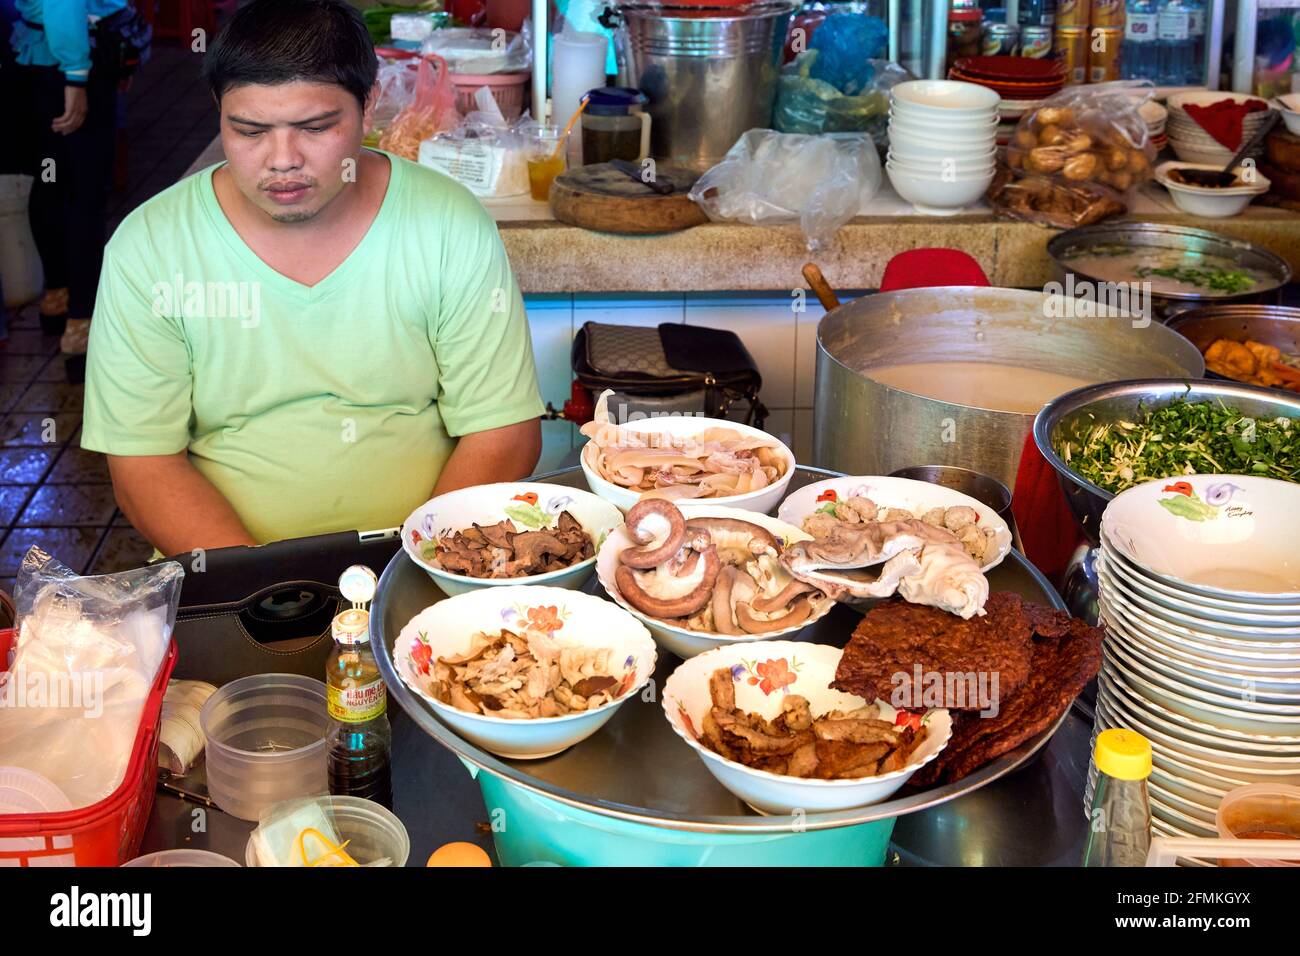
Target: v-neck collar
(268, 275)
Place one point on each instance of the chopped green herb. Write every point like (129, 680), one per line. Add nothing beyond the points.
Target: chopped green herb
(1216, 278)
(1183, 438)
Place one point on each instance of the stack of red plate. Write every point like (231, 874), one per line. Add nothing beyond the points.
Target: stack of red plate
(1012, 77)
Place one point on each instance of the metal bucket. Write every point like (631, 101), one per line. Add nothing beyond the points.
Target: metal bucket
(710, 73)
(865, 428)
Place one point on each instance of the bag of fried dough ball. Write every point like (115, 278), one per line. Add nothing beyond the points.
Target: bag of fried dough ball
(1078, 157)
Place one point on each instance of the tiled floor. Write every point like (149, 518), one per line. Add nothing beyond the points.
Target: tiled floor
(53, 493)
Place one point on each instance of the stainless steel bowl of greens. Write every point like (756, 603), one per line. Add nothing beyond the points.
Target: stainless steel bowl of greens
(1103, 439)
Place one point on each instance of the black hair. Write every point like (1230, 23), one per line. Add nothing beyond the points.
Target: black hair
(270, 42)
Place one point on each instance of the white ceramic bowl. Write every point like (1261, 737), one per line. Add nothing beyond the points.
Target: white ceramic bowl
(1222, 760)
(1279, 636)
(683, 641)
(916, 496)
(1205, 155)
(570, 617)
(764, 672)
(938, 197)
(1234, 537)
(942, 167)
(530, 505)
(1208, 202)
(1289, 106)
(681, 426)
(1180, 101)
(941, 131)
(914, 150)
(940, 98)
(1240, 696)
(1202, 604)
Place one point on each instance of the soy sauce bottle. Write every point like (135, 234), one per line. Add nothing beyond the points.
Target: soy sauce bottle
(360, 741)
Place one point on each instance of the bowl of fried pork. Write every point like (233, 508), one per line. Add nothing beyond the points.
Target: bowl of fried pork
(768, 725)
(509, 533)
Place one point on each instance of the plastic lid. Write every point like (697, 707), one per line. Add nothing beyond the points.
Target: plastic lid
(614, 100)
(1123, 754)
(350, 626)
(963, 15)
(25, 791)
(358, 584)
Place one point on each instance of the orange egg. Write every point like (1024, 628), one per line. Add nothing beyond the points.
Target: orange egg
(459, 854)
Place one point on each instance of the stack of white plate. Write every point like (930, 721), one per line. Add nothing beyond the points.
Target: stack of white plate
(942, 143)
(1193, 144)
(1200, 600)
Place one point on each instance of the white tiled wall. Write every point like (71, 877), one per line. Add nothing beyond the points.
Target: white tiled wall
(781, 339)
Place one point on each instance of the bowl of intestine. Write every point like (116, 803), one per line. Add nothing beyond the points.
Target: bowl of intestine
(685, 459)
(702, 576)
(517, 532)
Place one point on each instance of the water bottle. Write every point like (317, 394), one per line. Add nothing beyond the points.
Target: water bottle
(1196, 30)
(1138, 52)
(1173, 43)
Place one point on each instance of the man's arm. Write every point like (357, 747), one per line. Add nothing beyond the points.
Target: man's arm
(507, 453)
(174, 506)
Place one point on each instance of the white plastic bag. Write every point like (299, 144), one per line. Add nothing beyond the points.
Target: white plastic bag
(89, 649)
(478, 51)
(820, 182)
(486, 153)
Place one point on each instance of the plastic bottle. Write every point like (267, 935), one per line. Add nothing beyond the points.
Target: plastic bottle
(1173, 43)
(1119, 831)
(360, 739)
(1138, 52)
(1196, 30)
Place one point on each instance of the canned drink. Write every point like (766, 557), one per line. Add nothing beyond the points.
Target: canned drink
(1103, 54)
(1036, 42)
(1000, 39)
(1106, 13)
(1072, 13)
(1072, 47)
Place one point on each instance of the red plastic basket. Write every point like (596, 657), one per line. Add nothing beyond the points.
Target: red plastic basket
(107, 833)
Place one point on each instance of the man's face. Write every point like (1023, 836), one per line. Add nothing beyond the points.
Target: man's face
(291, 148)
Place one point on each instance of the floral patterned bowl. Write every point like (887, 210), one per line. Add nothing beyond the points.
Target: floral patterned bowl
(569, 617)
(764, 672)
(530, 505)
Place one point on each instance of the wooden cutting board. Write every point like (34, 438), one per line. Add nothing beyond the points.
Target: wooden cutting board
(602, 198)
(1283, 150)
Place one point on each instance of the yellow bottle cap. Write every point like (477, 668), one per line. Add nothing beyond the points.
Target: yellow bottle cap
(1123, 754)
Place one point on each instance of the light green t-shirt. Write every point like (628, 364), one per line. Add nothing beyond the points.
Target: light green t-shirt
(312, 409)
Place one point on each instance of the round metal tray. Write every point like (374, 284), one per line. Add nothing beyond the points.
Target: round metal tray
(636, 768)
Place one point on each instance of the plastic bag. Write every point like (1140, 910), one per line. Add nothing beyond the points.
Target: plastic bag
(808, 105)
(433, 108)
(820, 182)
(1078, 157)
(478, 51)
(396, 81)
(89, 649)
(845, 44)
(486, 153)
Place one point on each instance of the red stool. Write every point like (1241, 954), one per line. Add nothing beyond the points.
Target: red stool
(925, 268)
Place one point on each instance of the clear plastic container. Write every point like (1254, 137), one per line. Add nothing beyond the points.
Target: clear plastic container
(1259, 812)
(182, 858)
(373, 832)
(266, 742)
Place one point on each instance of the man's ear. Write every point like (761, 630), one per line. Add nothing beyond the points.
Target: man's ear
(368, 111)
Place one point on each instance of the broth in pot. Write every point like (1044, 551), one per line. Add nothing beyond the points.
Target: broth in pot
(1003, 388)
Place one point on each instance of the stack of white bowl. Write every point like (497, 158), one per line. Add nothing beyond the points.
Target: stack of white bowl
(1191, 143)
(1200, 600)
(942, 143)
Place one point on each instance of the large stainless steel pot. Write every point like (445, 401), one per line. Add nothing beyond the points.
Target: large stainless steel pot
(710, 73)
(1183, 239)
(864, 427)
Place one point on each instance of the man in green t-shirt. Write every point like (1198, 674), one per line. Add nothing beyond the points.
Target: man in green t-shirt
(313, 336)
